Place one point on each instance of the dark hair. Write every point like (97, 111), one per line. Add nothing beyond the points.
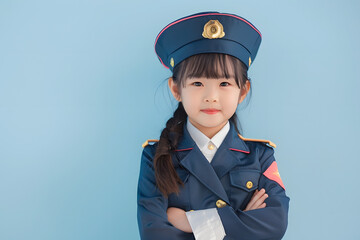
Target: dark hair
(208, 65)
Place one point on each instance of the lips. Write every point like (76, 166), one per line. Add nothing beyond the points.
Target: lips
(210, 110)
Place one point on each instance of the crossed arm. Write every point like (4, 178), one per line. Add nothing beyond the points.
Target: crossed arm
(265, 221)
(177, 216)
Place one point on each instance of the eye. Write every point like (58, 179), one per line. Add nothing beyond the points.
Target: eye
(224, 84)
(198, 84)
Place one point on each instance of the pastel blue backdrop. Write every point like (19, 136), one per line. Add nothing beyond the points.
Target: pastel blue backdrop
(81, 89)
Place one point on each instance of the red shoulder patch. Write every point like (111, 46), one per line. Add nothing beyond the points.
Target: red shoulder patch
(272, 173)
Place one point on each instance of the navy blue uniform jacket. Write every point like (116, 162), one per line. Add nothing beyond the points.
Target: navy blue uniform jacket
(235, 163)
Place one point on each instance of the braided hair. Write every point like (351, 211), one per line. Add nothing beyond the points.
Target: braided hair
(209, 65)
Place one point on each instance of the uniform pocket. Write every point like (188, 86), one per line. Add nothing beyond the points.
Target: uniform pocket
(246, 179)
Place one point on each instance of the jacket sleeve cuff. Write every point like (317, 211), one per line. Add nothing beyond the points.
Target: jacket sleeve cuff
(206, 224)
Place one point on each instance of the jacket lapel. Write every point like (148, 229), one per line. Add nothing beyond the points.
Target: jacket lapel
(191, 158)
(230, 153)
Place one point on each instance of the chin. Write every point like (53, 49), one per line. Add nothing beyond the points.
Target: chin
(211, 124)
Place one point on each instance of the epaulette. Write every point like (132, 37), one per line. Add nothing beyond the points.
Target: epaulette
(258, 140)
(147, 142)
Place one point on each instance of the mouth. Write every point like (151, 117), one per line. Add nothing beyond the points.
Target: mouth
(210, 110)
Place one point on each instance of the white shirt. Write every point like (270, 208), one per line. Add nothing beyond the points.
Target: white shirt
(206, 145)
(206, 224)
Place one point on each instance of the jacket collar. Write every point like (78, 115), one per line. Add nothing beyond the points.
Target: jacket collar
(229, 154)
(202, 140)
(232, 140)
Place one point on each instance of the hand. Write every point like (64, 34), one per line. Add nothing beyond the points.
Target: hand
(178, 219)
(257, 200)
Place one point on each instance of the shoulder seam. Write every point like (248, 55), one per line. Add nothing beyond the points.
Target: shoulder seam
(258, 140)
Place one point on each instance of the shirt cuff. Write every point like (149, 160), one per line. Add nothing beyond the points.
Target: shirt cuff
(206, 224)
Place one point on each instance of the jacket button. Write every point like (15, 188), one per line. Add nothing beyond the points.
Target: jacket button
(220, 203)
(249, 184)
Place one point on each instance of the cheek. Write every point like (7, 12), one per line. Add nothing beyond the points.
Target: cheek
(230, 105)
(189, 95)
(189, 101)
(231, 99)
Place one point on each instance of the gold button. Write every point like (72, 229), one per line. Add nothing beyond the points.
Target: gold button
(191, 210)
(211, 146)
(249, 184)
(220, 203)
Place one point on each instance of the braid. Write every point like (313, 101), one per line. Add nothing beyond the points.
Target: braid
(167, 179)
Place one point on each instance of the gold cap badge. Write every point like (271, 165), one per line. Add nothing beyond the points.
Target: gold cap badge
(213, 29)
(249, 61)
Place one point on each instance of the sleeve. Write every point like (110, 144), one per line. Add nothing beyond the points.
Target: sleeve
(266, 223)
(206, 224)
(152, 205)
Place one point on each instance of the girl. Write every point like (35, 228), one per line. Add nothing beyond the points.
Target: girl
(202, 179)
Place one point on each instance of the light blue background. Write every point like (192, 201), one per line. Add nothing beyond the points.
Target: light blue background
(81, 89)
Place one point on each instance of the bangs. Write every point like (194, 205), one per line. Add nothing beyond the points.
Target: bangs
(211, 65)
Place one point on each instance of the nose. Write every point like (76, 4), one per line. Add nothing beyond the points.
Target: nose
(211, 94)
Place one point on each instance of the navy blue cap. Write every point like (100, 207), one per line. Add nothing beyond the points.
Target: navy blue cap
(207, 32)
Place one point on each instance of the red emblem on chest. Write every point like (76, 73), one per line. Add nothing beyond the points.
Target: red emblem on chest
(273, 174)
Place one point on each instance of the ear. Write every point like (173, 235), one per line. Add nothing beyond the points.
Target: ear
(174, 89)
(244, 91)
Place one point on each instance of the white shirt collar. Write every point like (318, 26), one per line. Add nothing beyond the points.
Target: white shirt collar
(202, 140)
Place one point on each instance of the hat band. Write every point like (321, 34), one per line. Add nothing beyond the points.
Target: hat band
(210, 46)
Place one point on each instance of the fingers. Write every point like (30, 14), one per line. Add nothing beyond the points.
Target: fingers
(257, 194)
(251, 202)
(257, 200)
(260, 201)
(256, 191)
(262, 206)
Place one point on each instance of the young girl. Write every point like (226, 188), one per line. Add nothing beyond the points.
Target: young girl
(202, 179)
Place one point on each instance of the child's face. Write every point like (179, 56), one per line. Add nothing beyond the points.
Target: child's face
(201, 94)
